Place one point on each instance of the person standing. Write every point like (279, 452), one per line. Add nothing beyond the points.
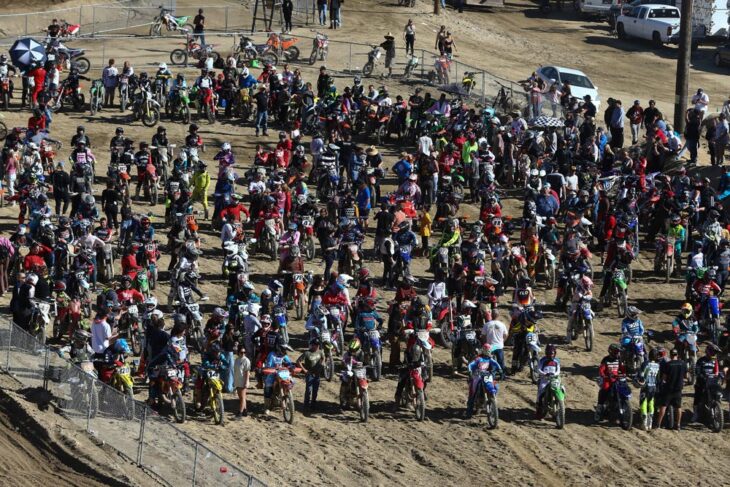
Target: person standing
(389, 47)
(312, 364)
(199, 27)
(636, 117)
(61, 188)
(672, 375)
(701, 101)
(440, 37)
(262, 111)
(409, 35)
(722, 139)
(287, 8)
(322, 8)
(692, 135)
(335, 14)
(651, 115)
(110, 79)
(424, 228)
(241, 373)
(617, 125)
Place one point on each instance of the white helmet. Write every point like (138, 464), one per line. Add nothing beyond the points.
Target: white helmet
(244, 72)
(33, 146)
(32, 279)
(163, 66)
(254, 308)
(226, 146)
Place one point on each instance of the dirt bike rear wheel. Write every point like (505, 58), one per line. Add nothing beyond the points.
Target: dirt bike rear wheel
(367, 70)
(179, 56)
(291, 54)
(717, 420)
(312, 57)
(82, 64)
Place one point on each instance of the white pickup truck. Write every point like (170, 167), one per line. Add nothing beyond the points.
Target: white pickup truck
(656, 23)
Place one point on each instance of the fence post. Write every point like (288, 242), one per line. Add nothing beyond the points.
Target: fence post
(195, 462)
(423, 60)
(226, 27)
(484, 90)
(349, 65)
(92, 389)
(26, 24)
(141, 436)
(10, 344)
(93, 21)
(80, 7)
(46, 364)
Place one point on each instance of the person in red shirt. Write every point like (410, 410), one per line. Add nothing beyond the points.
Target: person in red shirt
(285, 144)
(37, 121)
(39, 78)
(233, 212)
(129, 262)
(126, 294)
(36, 256)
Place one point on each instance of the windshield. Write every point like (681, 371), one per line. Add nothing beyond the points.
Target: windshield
(664, 13)
(576, 80)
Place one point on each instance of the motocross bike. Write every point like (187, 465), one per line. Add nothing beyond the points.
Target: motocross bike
(282, 394)
(464, 345)
(354, 390)
(553, 400)
(129, 328)
(247, 51)
(632, 353)
(619, 404)
(414, 393)
(411, 66)
(299, 284)
(194, 50)
(283, 46)
(170, 22)
(65, 95)
(146, 109)
(212, 393)
(71, 58)
(320, 48)
(582, 322)
(373, 349)
(689, 353)
(194, 319)
(664, 256)
(711, 404)
(484, 399)
(269, 239)
(373, 59)
(169, 384)
(40, 318)
(618, 289)
(120, 380)
(307, 245)
(96, 96)
(178, 105)
(150, 184)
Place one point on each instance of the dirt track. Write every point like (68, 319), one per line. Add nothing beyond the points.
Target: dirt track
(334, 448)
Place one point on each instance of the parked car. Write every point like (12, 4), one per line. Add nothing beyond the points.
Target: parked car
(580, 83)
(722, 55)
(622, 8)
(710, 18)
(654, 22)
(595, 8)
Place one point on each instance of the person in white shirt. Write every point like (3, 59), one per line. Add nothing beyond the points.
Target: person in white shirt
(726, 107)
(101, 334)
(494, 334)
(701, 101)
(425, 145)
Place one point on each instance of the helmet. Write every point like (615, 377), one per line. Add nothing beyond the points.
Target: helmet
(364, 273)
(266, 319)
(244, 72)
(193, 128)
(81, 335)
(226, 146)
(126, 280)
(292, 226)
(686, 310)
(468, 304)
(3, 58)
(354, 345)
(586, 282)
(676, 219)
(275, 284)
(220, 313)
(711, 273)
(486, 351)
(551, 350)
(299, 150)
(119, 130)
(614, 350)
(121, 346)
(357, 80)
(343, 280)
(179, 319)
(143, 75)
(59, 286)
(632, 312)
(712, 349)
(163, 66)
(145, 221)
(532, 315)
(150, 303)
(161, 129)
(89, 200)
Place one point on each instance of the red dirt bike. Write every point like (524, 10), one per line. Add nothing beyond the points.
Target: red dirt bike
(69, 30)
(169, 384)
(283, 46)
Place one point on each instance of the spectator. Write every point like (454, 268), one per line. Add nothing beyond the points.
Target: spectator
(335, 14)
(701, 101)
(61, 188)
(199, 27)
(389, 47)
(322, 8)
(6, 253)
(425, 229)
(312, 364)
(409, 35)
(672, 374)
(722, 139)
(287, 8)
(110, 78)
(636, 117)
(440, 37)
(364, 202)
(617, 125)
(262, 111)
(241, 372)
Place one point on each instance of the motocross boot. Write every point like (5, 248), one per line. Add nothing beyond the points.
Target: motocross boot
(206, 214)
(598, 415)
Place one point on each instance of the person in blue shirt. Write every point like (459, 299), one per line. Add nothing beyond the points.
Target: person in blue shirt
(545, 203)
(367, 319)
(403, 168)
(632, 327)
(276, 359)
(364, 203)
(246, 79)
(483, 363)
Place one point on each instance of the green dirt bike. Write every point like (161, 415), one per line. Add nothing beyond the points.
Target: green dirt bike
(170, 22)
(553, 400)
(618, 289)
(96, 96)
(178, 106)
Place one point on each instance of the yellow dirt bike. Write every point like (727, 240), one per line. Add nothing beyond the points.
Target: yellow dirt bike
(212, 393)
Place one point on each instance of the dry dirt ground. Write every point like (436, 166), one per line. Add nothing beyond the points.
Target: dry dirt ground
(335, 448)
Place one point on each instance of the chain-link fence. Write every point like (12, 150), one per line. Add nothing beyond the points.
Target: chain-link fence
(115, 417)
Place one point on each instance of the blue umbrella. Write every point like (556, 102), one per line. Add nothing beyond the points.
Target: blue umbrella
(26, 52)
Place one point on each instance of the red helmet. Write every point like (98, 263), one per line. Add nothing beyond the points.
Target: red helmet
(363, 274)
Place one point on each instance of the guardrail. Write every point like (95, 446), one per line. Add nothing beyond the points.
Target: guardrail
(127, 425)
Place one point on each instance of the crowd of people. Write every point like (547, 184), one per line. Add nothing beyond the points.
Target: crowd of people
(584, 192)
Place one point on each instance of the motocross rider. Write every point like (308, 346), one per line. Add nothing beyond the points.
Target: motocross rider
(609, 371)
(707, 367)
(548, 366)
(483, 362)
